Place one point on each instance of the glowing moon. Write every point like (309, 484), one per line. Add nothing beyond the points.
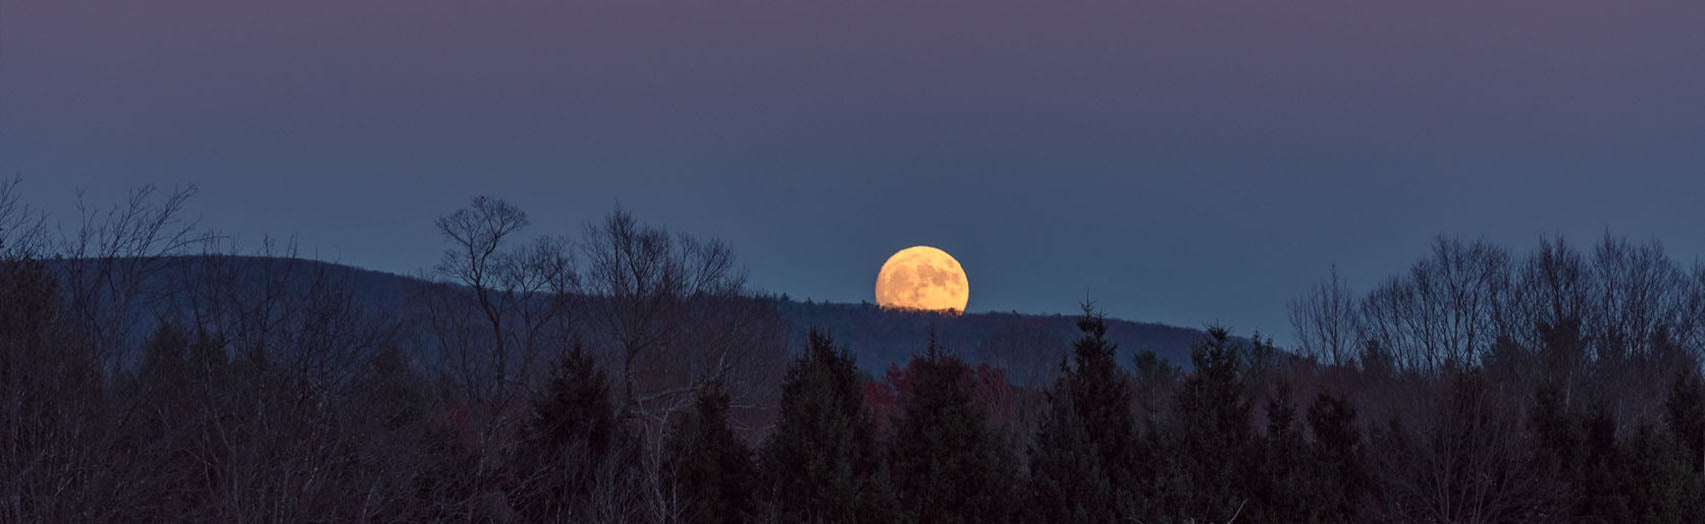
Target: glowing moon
(923, 277)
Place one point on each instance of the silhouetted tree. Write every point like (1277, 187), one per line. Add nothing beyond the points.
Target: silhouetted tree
(1158, 462)
(1066, 481)
(1216, 433)
(1327, 321)
(675, 310)
(1579, 450)
(1684, 412)
(1337, 455)
(1153, 387)
(390, 406)
(1657, 480)
(947, 465)
(48, 389)
(571, 436)
(1290, 487)
(510, 301)
(822, 463)
(1469, 460)
(1090, 406)
(107, 261)
(713, 473)
(1445, 311)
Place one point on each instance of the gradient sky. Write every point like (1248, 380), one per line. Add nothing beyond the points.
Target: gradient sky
(1180, 161)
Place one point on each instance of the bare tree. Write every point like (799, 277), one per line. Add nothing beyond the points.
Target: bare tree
(1638, 323)
(1553, 285)
(1637, 294)
(499, 306)
(1446, 311)
(1549, 305)
(676, 311)
(110, 258)
(1609, 319)
(65, 452)
(1465, 458)
(521, 296)
(1327, 322)
(23, 230)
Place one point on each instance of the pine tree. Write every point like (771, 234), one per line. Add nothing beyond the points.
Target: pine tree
(1290, 490)
(1156, 461)
(1685, 415)
(1337, 453)
(1090, 408)
(1656, 478)
(1154, 383)
(571, 434)
(1559, 442)
(713, 471)
(1215, 412)
(822, 463)
(394, 393)
(164, 358)
(947, 464)
(1066, 481)
(1598, 497)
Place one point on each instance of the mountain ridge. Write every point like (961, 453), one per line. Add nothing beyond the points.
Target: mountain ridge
(1029, 346)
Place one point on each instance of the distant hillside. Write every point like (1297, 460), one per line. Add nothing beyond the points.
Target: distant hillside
(373, 286)
(1029, 347)
(244, 280)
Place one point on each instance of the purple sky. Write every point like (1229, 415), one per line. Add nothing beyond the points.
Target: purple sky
(1182, 161)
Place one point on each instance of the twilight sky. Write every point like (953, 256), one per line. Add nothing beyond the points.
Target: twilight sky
(1181, 161)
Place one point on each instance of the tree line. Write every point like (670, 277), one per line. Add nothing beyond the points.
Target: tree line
(628, 374)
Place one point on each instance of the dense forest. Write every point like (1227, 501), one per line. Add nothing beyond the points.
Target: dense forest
(629, 374)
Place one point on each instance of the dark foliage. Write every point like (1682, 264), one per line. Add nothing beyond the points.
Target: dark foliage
(1083, 461)
(947, 464)
(822, 463)
(572, 440)
(711, 469)
(1340, 484)
(1684, 412)
(1657, 482)
(1216, 431)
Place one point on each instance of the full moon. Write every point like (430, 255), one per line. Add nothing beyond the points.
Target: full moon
(923, 277)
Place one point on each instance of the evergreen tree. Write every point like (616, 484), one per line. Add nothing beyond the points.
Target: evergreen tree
(1156, 460)
(1563, 350)
(1215, 410)
(947, 464)
(1290, 483)
(571, 435)
(1657, 480)
(1066, 481)
(1685, 415)
(1558, 442)
(822, 463)
(1337, 454)
(1101, 393)
(1598, 498)
(172, 363)
(1090, 408)
(1154, 383)
(394, 393)
(713, 471)
(162, 375)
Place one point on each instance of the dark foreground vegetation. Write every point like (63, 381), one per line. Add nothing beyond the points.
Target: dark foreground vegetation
(628, 375)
